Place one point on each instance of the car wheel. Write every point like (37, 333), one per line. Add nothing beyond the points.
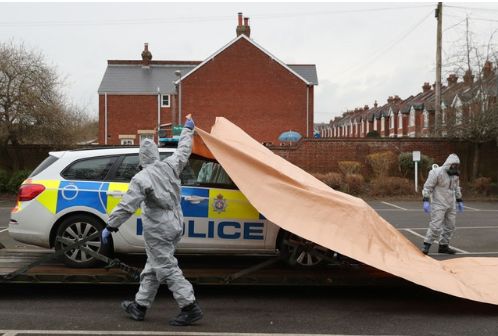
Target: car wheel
(80, 227)
(297, 251)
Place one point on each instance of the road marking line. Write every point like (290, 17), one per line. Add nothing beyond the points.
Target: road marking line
(394, 205)
(453, 247)
(3, 230)
(479, 253)
(458, 227)
(151, 333)
(414, 233)
(467, 207)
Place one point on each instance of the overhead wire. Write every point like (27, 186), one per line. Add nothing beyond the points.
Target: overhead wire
(381, 52)
(471, 8)
(178, 20)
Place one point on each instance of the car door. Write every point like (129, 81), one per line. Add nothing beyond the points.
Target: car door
(127, 167)
(217, 216)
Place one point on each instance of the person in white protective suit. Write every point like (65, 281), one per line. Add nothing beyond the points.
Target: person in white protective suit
(157, 189)
(443, 187)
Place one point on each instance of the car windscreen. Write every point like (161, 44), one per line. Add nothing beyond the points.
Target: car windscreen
(44, 165)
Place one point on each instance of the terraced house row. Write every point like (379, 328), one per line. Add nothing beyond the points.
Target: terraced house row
(414, 116)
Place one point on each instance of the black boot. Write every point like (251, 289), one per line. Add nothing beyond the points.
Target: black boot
(134, 310)
(425, 249)
(188, 315)
(446, 249)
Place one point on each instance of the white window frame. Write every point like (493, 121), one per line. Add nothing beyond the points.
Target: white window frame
(426, 119)
(144, 136)
(162, 100)
(391, 120)
(458, 116)
(382, 124)
(127, 142)
(411, 120)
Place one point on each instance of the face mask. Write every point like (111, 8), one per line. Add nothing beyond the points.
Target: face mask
(453, 170)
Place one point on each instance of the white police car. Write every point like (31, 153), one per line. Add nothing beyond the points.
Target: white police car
(71, 193)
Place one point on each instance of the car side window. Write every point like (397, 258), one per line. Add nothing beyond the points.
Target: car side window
(127, 169)
(94, 169)
(130, 166)
(207, 173)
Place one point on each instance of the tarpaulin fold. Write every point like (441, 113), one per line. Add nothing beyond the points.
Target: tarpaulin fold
(298, 202)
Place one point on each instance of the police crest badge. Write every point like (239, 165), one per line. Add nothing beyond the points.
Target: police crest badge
(220, 204)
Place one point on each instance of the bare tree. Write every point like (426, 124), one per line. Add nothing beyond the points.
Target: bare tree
(32, 107)
(473, 113)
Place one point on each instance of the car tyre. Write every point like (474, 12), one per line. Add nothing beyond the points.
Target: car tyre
(300, 252)
(79, 227)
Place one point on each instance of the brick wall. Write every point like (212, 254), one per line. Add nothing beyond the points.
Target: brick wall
(128, 113)
(323, 155)
(249, 88)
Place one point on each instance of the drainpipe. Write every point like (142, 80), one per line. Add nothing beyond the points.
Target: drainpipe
(307, 111)
(158, 112)
(105, 118)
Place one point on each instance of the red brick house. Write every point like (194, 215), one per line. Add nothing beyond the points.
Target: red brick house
(414, 116)
(241, 81)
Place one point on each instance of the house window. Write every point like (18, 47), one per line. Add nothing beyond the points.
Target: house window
(127, 142)
(144, 136)
(382, 124)
(426, 119)
(127, 139)
(411, 121)
(391, 120)
(459, 116)
(165, 100)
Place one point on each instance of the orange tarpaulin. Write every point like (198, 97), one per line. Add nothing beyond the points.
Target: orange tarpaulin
(297, 202)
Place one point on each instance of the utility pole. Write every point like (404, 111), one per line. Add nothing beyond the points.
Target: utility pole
(437, 112)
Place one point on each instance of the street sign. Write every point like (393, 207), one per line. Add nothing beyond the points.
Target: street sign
(416, 158)
(416, 155)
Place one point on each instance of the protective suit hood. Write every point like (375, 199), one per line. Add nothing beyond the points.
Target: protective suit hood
(148, 153)
(452, 159)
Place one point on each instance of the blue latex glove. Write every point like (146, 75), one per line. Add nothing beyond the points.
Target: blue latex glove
(460, 207)
(189, 124)
(427, 206)
(105, 236)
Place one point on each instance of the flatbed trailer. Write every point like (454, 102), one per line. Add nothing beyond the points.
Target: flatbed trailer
(199, 269)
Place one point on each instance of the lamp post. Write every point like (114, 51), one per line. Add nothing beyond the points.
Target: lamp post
(178, 73)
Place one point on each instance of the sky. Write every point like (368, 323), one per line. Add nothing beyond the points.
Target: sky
(364, 52)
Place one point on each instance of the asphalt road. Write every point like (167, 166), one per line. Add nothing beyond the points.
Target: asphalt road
(396, 310)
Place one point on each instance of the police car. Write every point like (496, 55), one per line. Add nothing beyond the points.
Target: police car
(71, 194)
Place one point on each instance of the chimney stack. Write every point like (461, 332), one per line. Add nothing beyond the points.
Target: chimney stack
(243, 28)
(390, 100)
(487, 70)
(146, 56)
(426, 87)
(452, 79)
(468, 78)
(375, 104)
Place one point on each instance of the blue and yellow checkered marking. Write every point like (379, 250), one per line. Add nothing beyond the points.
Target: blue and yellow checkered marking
(60, 195)
(88, 194)
(195, 210)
